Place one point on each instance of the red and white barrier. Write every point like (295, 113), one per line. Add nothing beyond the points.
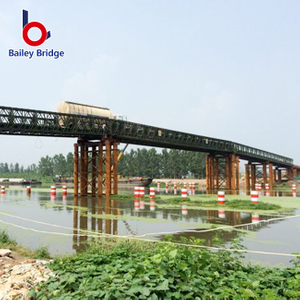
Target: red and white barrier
(167, 188)
(53, 190)
(152, 205)
(175, 188)
(257, 186)
(152, 192)
(65, 190)
(255, 218)
(221, 197)
(184, 210)
(2, 189)
(184, 193)
(221, 214)
(267, 187)
(294, 188)
(184, 185)
(254, 197)
(142, 191)
(136, 204)
(136, 192)
(28, 189)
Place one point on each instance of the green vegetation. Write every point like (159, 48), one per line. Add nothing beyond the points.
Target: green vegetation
(44, 171)
(167, 164)
(9, 243)
(135, 270)
(235, 203)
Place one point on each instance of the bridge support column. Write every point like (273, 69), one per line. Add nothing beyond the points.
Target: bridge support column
(265, 176)
(253, 176)
(279, 176)
(271, 176)
(222, 171)
(75, 169)
(88, 173)
(247, 177)
(115, 168)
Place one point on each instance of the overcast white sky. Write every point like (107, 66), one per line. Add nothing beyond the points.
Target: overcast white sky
(225, 69)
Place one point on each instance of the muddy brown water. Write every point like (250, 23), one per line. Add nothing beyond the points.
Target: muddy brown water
(39, 219)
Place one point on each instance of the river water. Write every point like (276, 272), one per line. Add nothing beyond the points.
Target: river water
(65, 223)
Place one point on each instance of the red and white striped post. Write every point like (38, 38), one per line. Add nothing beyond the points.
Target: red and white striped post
(184, 210)
(142, 191)
(2, 189)
(193, 188)
(183, 193)
(184, 185)
(142, 204)
(255, 218)
(221, 197)
(136, 204)
(294, 188)
(221, 214)
(152, 205)
(28, 189)
(167, 188)
(65, 190)
(152, 192)
(267, 187)
(136, 192)
(254, 197)
(175, 188)
(53, 190)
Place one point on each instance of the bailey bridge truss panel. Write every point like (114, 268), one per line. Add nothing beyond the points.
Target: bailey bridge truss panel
(16, 121)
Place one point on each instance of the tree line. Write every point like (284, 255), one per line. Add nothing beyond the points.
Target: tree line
(47, 166)
(167, 164)
(140, 162)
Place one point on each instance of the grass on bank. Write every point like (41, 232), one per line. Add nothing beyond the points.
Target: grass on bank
(142, 270)
(7, 242)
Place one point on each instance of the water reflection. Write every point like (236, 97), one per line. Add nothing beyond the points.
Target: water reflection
(124, 217)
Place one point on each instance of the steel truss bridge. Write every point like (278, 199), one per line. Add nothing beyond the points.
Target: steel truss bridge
(18, 121)
(222, 162)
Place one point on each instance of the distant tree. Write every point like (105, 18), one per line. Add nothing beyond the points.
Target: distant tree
(59, 164)
(70, 164)
(45, 167)
(17, 168)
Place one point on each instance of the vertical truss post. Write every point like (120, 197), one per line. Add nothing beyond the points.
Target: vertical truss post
(94, 170)
(265, 176)
(237, 164)
(228, 173)
(115, 168)
(100, 169)
(107, 168)
(279, 176)
(247, 177)
(211, 173)
(253, 176)
(290, 173)
(271, 176)
(233, 173)
(207, 174)
(75, 169)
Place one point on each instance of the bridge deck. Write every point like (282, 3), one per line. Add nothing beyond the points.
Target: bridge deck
(17, 121)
